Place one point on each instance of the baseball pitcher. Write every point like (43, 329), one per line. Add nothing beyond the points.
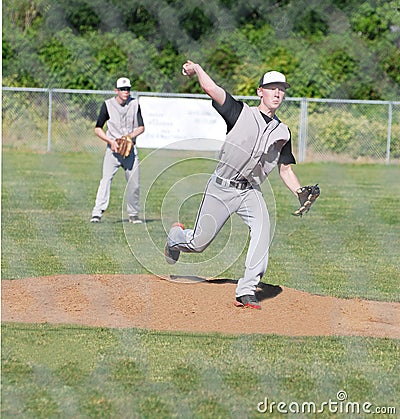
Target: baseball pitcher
(256, 142)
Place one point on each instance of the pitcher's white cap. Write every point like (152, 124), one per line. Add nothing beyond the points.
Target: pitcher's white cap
(273, 77)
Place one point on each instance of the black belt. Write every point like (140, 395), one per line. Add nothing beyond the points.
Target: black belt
(234, 183)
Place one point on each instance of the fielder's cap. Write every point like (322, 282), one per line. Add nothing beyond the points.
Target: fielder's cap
(122, 82)
(273, 77)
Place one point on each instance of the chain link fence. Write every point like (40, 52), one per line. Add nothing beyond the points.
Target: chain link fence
(62, 120)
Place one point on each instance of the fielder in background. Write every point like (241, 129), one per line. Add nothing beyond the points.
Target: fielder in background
(124, 124)
(256, 142)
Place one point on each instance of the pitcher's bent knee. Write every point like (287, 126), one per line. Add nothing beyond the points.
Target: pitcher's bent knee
(197, 247)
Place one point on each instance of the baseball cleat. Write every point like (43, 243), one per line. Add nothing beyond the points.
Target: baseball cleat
(134, 219)
(95, 219)
(247, 301)
(171, 255)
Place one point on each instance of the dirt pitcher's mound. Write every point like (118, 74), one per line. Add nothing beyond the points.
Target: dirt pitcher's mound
(145, 301)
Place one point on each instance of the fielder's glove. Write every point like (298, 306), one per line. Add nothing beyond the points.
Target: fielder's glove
(125, 145)
(307, 196)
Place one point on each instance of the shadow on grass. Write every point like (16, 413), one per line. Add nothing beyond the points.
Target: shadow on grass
(143, 221)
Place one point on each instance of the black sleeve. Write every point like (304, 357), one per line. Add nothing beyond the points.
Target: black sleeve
(103, 116)
(286, 156)
(139, 117)
(230, 110)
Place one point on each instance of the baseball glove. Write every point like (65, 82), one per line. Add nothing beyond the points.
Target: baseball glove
(307, 196)
(125, 145)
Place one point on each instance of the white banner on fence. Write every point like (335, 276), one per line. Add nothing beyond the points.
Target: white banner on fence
(180, 123)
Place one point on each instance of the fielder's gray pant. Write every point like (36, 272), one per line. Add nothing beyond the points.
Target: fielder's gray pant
(111, 163)
(219, 203)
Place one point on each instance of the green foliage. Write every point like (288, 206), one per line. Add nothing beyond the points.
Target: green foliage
(67, 58)
(311, 23)
(167, 61)
(337, 136)
(7, 51)
(196, 23)
(86, 44)
(367, 22)
(81, 17)
(257, 36)
(224, 60)
(346, 4)
(395, 140)
(24, 13)
(55, 54)
(334, 131)
(140, 21)
(389, 59)
(110, 57)
(339, 64)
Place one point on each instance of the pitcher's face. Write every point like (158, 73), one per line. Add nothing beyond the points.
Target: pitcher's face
(272, 95)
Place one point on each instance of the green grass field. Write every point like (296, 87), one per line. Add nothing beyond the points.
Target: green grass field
(347, 246)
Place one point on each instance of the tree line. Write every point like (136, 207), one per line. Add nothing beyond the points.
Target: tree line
(346, 49)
